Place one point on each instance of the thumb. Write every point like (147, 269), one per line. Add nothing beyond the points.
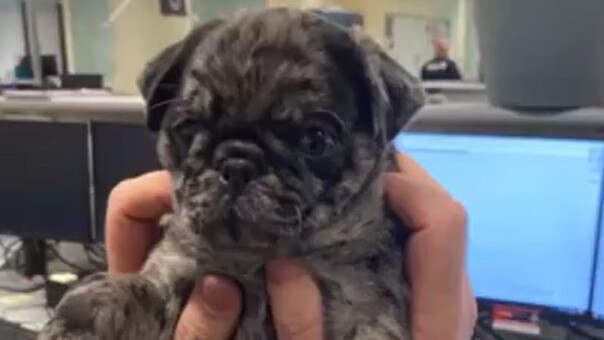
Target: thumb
(295, 300)
(211, 312)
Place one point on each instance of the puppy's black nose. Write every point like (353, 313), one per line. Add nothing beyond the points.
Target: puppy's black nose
(239, 161)
(238, 171)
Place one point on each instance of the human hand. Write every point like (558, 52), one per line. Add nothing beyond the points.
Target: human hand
(134, 209)
(442, 303)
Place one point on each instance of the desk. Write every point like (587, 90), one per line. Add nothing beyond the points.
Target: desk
(441, 92)
(482, 118)
(71, 106)
(62, 153)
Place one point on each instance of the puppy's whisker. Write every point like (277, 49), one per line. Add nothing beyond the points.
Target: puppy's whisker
(172, 85)
(167, 102)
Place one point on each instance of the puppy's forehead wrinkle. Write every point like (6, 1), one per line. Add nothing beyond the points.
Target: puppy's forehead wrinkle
(255, 65)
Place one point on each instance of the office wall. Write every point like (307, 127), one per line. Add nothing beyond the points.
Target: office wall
(12, 35)
(89, 43)
(139, 33)
(285, 3)
(472, 56)
(12, 43)
(49, 33)
(203, 10)
(302, 3)
(121, 49)
(375, 12)
(458, 13)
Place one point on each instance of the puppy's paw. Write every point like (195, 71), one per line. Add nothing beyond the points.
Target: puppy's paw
(106, 307)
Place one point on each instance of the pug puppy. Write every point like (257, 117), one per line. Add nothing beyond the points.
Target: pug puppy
(275, 128)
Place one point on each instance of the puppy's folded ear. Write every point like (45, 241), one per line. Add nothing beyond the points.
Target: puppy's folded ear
(161, 79)
(395, 94)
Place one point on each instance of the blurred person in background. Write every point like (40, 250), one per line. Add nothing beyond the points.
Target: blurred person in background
(441, 67)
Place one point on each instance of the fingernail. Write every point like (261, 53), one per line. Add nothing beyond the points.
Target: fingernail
(219, 294)
(283, 270)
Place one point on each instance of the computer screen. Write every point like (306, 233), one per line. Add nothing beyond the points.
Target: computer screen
(533, 211)
(598, 300)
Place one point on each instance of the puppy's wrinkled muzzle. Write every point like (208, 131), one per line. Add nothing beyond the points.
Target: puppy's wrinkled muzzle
(237, 172)
(239, 162)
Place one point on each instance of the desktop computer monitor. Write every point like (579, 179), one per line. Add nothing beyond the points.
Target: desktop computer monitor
(533, 209)
(49, 66)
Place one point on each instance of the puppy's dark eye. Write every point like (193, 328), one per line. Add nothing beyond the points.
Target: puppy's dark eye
(181, 135)
(317, 142)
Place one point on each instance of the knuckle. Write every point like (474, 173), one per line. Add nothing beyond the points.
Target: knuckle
(307, 329)
(457, 217)
(186, 332)
(120, 191)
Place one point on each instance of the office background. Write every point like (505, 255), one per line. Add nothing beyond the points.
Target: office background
(116, 37)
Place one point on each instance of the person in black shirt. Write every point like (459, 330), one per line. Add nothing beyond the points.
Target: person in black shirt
(441, 67)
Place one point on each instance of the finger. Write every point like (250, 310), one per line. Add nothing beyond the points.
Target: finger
(211, 312)
(133, 210)
(143, 197)
(421, 202)
(435, 267)
(295, 301)
(469, 310)
(441, 302)
(409, 167)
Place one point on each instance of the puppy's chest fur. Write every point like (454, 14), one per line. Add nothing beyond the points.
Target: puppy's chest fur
(362, 299)
(356, 260)
(363, 290)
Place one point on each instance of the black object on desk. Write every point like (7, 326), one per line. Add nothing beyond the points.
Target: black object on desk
(34, 252)
(82, 81)
(49, 66)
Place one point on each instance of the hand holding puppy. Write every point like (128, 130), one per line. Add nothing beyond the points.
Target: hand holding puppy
(443, 306)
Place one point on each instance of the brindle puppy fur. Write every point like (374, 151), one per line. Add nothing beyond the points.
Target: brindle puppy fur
(274, 126)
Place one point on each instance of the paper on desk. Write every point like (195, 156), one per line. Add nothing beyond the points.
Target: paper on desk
(51, 94)
(17, 299)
